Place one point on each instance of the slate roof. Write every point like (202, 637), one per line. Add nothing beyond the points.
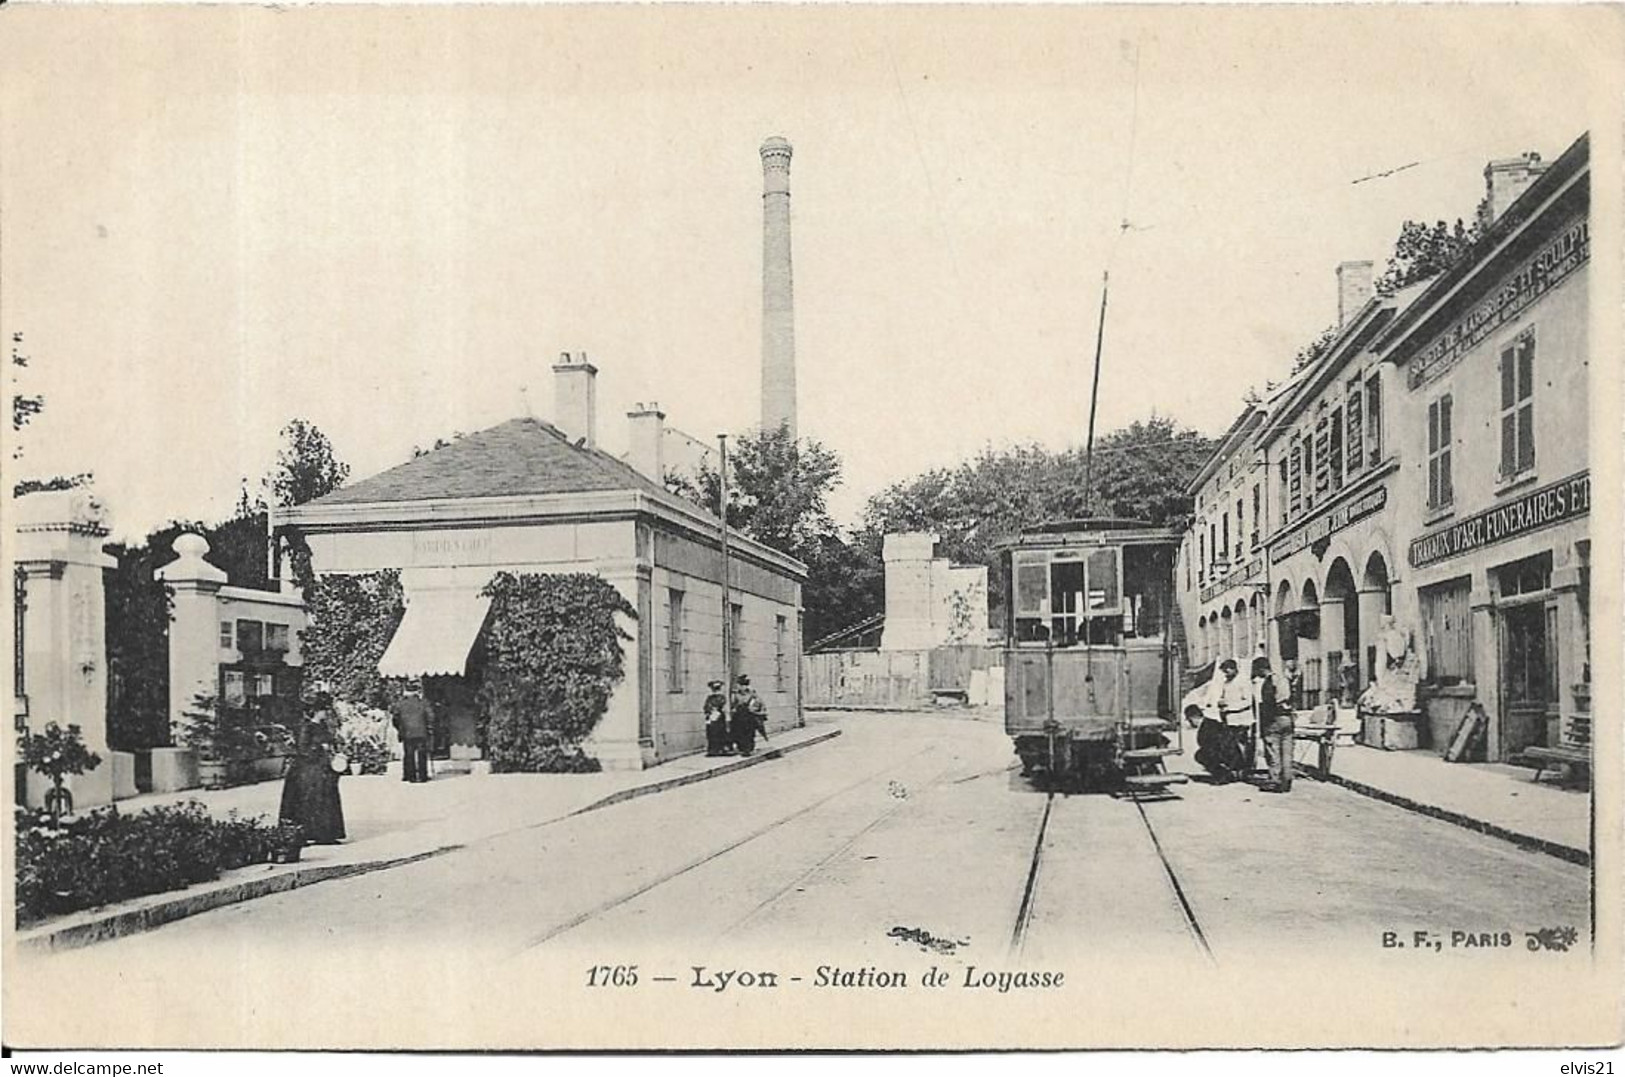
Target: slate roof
(519, 457)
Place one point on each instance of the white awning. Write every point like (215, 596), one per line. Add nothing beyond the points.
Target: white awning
(436, 634)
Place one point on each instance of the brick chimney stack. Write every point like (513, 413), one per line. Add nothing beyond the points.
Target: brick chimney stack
(575, 398)
(778, 311)
(1504, 181)
(647, 429)
(1355, 286)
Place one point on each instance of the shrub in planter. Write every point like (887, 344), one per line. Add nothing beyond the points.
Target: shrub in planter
(235, 737)
(104, 856)
(366, 737)
(553, 656)
(56, 753)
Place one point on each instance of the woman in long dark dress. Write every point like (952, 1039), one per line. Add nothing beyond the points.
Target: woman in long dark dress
(310, 793)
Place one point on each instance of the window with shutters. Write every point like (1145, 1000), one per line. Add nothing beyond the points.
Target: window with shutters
(1295, 482)
(1285, 499)
(781, 632)
(1441, 490)
(1258, 515)
(1355, 431)
(1518, 406)
(1373, 419)
(1334, 451)
(1309, 472)
(676, 659)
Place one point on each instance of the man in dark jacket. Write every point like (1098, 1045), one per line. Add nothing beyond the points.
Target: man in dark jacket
(411, 714)
(1275, 728)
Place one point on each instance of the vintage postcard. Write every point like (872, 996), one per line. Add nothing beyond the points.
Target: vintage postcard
(812, 526)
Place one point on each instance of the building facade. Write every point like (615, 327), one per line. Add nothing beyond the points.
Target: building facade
(1427, 475)
(1330, 540)
(1221, 572)
(533, 497)
(1492, 368)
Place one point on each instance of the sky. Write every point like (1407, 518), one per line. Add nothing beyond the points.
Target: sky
(391, 221)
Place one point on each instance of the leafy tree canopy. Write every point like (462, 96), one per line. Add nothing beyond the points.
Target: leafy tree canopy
(1140, 472)
(306, 466)
(778, 494)
(25, 408)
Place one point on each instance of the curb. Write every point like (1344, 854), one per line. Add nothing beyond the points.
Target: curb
(699, 776)
(1551, 848)
(147, 917)
(167, 909)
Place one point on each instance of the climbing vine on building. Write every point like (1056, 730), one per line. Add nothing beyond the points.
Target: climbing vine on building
(552, 656)
(351, 621)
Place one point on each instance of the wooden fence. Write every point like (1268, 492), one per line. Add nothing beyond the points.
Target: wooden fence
(892, 679)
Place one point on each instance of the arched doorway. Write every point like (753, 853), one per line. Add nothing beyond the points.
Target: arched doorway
(1307, 625)
(1200, 658)
(1244, 635)
(1375, 605)
(1340, 633)
(1227, 635)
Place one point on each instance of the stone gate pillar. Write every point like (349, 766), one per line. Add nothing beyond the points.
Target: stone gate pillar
(909, 600)
(194, 630)
(64, 652)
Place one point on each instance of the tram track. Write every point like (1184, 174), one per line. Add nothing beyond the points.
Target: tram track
(760, 832)
(1033, 887)
(1192, 924)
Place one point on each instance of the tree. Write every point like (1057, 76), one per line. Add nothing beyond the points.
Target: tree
(778, 490)
(306, 466)
(1140, 472)
(1422, 253)
(1310, 353)
(26, 407)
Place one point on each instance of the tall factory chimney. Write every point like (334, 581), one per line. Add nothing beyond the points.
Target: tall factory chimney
(778, 309)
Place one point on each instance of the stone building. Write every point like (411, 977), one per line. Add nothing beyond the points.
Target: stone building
(534, 497)
(930, 601)
(1329, 538)
(1220, 571)
(1492, 383)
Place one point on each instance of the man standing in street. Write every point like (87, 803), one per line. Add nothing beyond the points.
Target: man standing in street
(411, 714)
(1274, 728)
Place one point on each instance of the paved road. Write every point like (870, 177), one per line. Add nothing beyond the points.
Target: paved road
(907, 842)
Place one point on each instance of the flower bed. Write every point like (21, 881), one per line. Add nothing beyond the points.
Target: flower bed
(103, 857)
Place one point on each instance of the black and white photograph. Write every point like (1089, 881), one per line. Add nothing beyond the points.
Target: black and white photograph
(780, 527)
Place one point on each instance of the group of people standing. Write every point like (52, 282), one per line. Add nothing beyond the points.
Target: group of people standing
(1239, 716)
(731, 725)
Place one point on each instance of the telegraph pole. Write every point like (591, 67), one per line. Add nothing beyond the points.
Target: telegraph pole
(1094, 396)
(727, 595)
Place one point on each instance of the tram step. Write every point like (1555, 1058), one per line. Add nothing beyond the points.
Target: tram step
(1149, 780)
(1151, 753)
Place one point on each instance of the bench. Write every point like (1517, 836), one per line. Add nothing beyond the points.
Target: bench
(1574, 753)
(1326, 738)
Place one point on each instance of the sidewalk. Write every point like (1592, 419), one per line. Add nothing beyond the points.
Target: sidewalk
(390, 823)
(1492, 798)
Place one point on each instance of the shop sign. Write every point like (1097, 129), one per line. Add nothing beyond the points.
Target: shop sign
(1545, 507)
(1241, 575)
(1330, 523)
(1537, 276)
(450, 548)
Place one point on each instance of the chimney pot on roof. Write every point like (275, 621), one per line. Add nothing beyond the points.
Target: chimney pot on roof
(575, 399)
(646, 429)
(1504, 181)
(1354, 289)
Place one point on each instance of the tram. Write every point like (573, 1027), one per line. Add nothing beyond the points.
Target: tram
(1091, 670)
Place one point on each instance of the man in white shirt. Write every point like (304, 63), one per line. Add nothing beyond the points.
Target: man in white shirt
(1228, 720)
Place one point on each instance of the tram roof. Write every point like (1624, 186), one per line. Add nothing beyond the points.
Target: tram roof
(1096, 531)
